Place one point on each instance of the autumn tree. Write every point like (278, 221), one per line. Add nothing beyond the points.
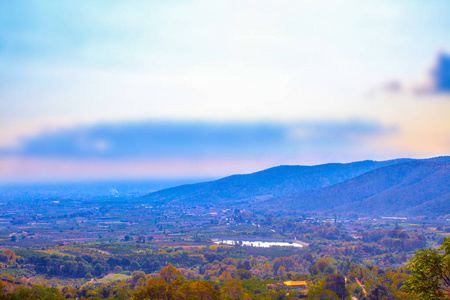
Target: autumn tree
(156, 288)
(225, 276)
(336, 284)
(267, 269)
(8, 256)
(169, 273)
(199, 290)
(319, 292)
(233, 290)
(244, 274)
(281, 271)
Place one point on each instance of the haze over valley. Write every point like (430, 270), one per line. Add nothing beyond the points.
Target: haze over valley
(224, 150)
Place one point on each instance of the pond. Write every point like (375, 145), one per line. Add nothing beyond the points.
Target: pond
(260, 243)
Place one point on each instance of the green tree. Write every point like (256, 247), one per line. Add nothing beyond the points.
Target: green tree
(430, 273)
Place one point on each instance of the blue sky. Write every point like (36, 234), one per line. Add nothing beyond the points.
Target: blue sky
(209, 88)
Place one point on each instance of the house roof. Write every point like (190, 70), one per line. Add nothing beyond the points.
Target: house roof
(295, 283)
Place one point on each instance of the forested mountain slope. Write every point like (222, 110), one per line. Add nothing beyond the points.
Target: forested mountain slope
(273, 182)
(410, 188)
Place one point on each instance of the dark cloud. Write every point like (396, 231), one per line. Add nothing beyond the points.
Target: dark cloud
(441, 74)
(139, 140)
(437, 83)
(439, 78)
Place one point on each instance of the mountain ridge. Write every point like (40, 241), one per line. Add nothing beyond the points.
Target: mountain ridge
(274, 182)
(395, 189)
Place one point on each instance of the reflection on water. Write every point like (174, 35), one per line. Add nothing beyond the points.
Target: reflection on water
(259, 243)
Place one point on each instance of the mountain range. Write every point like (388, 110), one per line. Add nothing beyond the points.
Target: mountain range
(404, 187)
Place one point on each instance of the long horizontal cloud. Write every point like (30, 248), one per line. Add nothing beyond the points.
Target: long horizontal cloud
(151, 139)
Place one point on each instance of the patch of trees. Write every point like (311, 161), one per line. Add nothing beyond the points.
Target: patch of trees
(395, 240)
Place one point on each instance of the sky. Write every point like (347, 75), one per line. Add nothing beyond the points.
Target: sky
(93, 90)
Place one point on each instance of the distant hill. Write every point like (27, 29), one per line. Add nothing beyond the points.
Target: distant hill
(273, 182)
(420, 187)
